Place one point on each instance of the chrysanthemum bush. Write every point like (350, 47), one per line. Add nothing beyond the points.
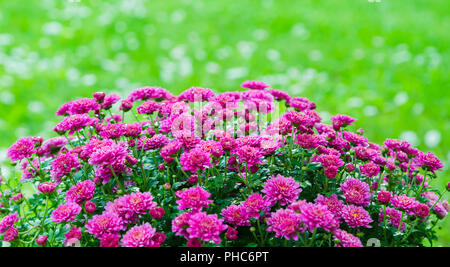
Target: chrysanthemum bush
(249, 168)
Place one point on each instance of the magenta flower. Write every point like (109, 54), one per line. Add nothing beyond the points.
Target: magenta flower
(370, 169)
(333, 204)
(345, 239)
(393, 216)
(105, 223)
(205, 227)
(194, 160)
(283, 189)
(356, 192)
(256, 85)
(356, 216)
(405, 203)
(430, 162)
(236, 215)
(341, 121)
(8, 222)
(285, 223)
(66, 212)
(82, 191)
(318, 216)
(46, 187)
(194, 198)
(109, 240)
(139, 236)
(255, 204)
(22, 148)
(63, 165)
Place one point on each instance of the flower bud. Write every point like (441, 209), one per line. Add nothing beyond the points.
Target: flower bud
(126, 105)
(41, 240)
(90, 206)
(157, 213)
(46, 187)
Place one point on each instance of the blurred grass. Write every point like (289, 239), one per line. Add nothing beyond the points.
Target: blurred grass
(385, 63)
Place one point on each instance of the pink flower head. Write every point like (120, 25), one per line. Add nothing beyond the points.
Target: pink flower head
(356, 192)
(74, 233)
(329, 160)
(10, 234)
(105, 223)
(74, 123)
(256, 85)
(83, 105)
(212, 147)
(82, 191)
(46, 187)
(63, 165)
(231, 233)
(8, 222)
(66, 212)
(356, 216)
(90, 206)
(345, 239)
(180, 224)
(148, 107)
(310, 141)
(113, 131)
(301, 103)
(197, 94)
(249, 155)
(333, 204)
(22, 148)
(430, 162)
(285, 223)
(355, 138)
(169, 150)
(139, 203)
(195, 159)
(422, 210)
(405, 203)
(255, 204)
(316, 216)
(157, 212)
(341, 121)
(110, 240)
(41, 240)
(194, 198)
(384, 197)
(205, 227)
(283, 189)
(53, 145)
(139, 236)
(370, 169)
(236, 215)
(394, 217)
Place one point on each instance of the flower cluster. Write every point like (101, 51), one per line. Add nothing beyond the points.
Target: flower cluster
(205, 169)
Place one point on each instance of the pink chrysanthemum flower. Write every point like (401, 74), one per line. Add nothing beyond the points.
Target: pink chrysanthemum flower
(333, 204)
(255, 204)
(393, 216)
(283, 189)
(341, 121)
(329, 160)
(148, 107)
(22, 148)
(109, 240)
(346, 239)
(212, 147)
(66, 212)
(139, 236)
(83, 105)
(301, 103)
(430, 161)
(63, 165)
(256, 85)
(8, 222)
(405, 203)
(356, 216)
(285, 223)
(105, 223)
(370, 169)
(194, 160)
(82, 191)
(169, 150)
(113, 131)
(110, 100)
(74, 123)
(180, 224)
(205, 227)
(236, 215)
(139, 203)
(384, 197)
(109, 154)
(249, 155)
(316, 216)
(422, 210)
(197, 94)
(53, 145)
(10, 234)
(194, 198)
(46, 187)
(155, 142)
(356, 192)
(355, 138)
(280, 126)
(310, 141)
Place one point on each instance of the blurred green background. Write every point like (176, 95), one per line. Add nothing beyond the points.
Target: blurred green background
(384, 62)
